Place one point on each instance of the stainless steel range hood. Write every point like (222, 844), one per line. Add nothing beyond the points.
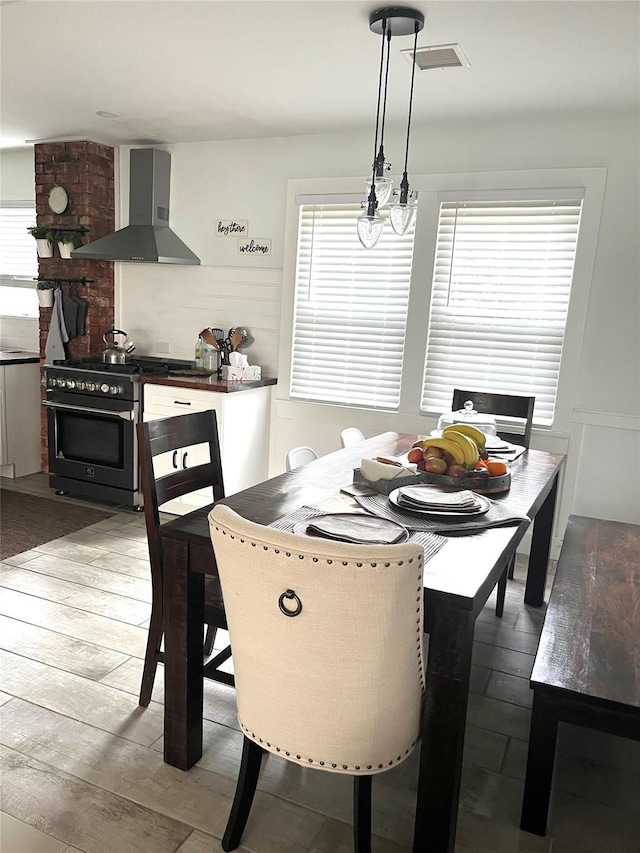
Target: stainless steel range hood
(147, 238)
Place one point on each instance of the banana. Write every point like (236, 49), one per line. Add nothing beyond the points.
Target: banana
(467, 445)
(467, 429)
(451, 447)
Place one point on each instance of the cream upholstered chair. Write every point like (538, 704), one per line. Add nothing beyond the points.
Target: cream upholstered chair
(298, 456)
(350, 435)
(317, 680)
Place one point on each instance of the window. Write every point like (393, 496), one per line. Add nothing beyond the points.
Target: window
(490, 292)
(18, 260)
(500, 295)
(350, 309)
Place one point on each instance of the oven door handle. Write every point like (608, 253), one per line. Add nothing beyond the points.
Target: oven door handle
(126, 415)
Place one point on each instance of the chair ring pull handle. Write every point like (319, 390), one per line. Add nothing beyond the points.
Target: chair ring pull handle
(289, 594)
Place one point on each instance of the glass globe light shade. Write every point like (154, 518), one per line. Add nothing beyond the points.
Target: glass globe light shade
(383, 189)
(402, 215)
(370, 229)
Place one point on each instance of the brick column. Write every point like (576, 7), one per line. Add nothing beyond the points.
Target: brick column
(85, 170)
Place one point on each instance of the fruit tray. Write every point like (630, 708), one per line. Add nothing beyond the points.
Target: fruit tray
(483, 485)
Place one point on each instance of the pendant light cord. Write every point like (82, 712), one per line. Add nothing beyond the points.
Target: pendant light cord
(380, 155)
(404, 191)
(375, 141)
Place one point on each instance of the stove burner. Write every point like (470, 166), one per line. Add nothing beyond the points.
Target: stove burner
(135, 366)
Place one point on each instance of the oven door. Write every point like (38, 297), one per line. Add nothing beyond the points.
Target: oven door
(95, 445)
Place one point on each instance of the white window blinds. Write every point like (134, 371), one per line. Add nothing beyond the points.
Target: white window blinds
(18, 255)
(350, 310)
(501, 284)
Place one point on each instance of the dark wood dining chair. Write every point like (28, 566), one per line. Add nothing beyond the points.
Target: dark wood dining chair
(509, 406)
(173, 436)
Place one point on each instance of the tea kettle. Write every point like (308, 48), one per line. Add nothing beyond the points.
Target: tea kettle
(116, 353)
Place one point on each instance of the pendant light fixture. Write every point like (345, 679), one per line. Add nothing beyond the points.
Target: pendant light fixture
(387, 22)
(370, 224)
(383, 184)
(402, 212)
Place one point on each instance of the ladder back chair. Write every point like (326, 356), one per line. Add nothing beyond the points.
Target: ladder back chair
(510, 406)
(172, 436)
(507, 405)
(317, 681)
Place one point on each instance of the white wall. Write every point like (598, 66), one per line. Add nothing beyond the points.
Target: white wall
(248, 180)
(17, 183)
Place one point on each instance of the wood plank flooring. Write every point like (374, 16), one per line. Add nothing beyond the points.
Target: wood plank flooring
(81, 764)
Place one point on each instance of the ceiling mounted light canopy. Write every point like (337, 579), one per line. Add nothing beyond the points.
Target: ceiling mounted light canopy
(388, 22)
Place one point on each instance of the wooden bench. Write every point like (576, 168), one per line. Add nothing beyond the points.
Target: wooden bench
(587, 667)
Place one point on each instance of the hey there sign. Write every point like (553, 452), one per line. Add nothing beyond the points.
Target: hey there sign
(232, 227)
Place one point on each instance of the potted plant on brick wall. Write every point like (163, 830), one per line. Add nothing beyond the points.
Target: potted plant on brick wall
(67, 242)
(44, 241)
(45, 293)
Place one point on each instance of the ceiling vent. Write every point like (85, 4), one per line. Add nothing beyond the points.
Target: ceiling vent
(438, 56)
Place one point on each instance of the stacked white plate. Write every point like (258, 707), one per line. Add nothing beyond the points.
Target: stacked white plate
(433, 500)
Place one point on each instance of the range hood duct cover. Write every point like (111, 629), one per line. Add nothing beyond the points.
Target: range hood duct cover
(147, 238)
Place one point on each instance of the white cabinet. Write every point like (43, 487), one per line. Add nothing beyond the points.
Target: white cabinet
(20, 419)
(243, 418)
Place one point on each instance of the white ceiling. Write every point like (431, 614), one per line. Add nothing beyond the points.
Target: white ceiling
(182, 71)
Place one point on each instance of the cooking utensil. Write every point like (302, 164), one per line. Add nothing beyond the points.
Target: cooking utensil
(218, 334)
(246, 337)
(209, 338)
(115, 353)
(236, 339)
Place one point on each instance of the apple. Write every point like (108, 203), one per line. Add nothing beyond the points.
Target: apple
(415, 455)
(448, 458)
(456, 471)
(421, 465)
(433, 451)
(435, 465)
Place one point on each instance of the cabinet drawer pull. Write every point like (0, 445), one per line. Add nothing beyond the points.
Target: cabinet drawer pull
(182, 403)
(175, 459)
(184, 460)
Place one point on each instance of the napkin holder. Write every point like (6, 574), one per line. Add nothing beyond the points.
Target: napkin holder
(482, 484)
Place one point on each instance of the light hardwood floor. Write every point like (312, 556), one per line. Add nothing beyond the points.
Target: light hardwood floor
(81, 763)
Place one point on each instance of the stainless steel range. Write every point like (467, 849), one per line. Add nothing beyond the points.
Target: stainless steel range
(92, 412)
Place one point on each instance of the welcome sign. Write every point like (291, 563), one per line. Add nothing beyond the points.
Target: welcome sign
(254, 246)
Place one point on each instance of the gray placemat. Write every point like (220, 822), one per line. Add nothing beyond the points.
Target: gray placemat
(430, 542)
(497, 516)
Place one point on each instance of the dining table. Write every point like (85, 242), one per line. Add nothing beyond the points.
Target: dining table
(458, 579)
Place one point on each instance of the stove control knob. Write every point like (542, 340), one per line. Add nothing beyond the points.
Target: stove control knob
(52, 383)
(80, 386)
(62, 383)
(104, 388)
(71, 383)
(116, 389)
(90, 386)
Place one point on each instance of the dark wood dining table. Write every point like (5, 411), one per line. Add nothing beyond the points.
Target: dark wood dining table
(457, 582)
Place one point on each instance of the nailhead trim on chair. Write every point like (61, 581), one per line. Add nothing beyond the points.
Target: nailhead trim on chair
(418, 644)
(324, 763)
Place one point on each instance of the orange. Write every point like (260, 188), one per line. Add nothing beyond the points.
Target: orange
(496, 469)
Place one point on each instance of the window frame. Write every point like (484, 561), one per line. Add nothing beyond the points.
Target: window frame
(20, 281)
(591, 180)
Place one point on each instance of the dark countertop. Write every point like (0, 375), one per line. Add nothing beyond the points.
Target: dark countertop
(18, 357)
(207, 383)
